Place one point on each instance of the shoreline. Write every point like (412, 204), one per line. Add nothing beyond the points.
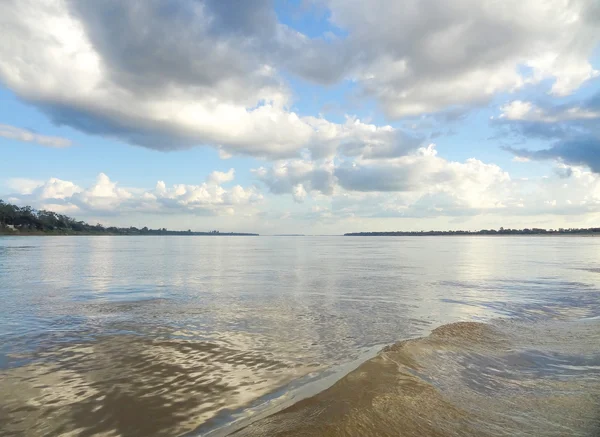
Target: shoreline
(47, 234)
(420, 386)
(285, 397)
(305, 394)
(554, 234)
(296, 391)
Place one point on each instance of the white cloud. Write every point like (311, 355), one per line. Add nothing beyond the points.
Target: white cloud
(519, 202)
(52, 56)
(57, 189)
(527, 111)
(19, 134)
(23, 185)
(203, 195)
(207, 74)
(423, 184)
(219, 177)
(58, 56)
(61, 208)
(429, 182)
(517, 110)
(53, 188)
(420, 56)
(298, 176)
(239, 195)
(437, 192)
(106, 197)
(299, 193)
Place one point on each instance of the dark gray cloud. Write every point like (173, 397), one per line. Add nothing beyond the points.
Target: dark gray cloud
(535, 129)
(85, 119)
(388, 144)
(242, 17)
(390, 178)
(375, 179)
(573, 129)
(580, 151)
(151, 45)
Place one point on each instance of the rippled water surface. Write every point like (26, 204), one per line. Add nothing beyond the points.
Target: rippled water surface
(172, 335)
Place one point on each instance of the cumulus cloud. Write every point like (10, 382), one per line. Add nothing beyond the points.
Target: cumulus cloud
(177, 74)
(104, 195)
(19, 134)
(23, 185)
(169, 75)
(424, 184)
(573, 130)
(219, 177)
(154, 74)
(57, 189)
(527, 111)
(107, 197)
(465, 189)
(297, 177)
(420, 56)
(471, 184)
(480, 190)
(298, 193)
(580, 151)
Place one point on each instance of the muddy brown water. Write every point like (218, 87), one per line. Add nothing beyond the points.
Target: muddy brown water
(200, 336)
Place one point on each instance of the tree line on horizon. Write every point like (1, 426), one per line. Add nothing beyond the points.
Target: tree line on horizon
(501, 231)
(29, 220)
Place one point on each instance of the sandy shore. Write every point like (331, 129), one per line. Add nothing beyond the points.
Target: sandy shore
(442, 386)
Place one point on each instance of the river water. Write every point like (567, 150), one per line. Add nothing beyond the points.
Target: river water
(140, 336)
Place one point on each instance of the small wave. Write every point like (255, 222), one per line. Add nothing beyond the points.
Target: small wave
(464, 379)
(132, 385)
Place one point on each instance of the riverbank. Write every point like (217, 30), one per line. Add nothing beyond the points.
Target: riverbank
(583, 233)
(15, 220)
(71, 234)
(464, 379)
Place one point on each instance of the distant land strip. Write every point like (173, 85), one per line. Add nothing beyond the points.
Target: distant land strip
(501, 231)
(25, 220)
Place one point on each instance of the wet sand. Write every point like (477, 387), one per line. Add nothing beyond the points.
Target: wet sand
(465, 379)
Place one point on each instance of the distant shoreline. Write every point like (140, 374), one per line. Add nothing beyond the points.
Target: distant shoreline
(99, 234)
(591, 234)
(574, 233)
(208, 234)
(27, 221)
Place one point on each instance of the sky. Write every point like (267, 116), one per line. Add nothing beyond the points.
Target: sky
(305, 116)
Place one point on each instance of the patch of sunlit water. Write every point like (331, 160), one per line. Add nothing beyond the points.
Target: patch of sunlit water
(132, 385)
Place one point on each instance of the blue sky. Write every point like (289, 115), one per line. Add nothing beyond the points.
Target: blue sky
(334, 116)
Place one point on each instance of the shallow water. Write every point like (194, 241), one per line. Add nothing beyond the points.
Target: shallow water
(464, 379)
(168, 335)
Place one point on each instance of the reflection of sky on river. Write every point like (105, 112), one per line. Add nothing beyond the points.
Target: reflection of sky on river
(324, 296)
(309, 303)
